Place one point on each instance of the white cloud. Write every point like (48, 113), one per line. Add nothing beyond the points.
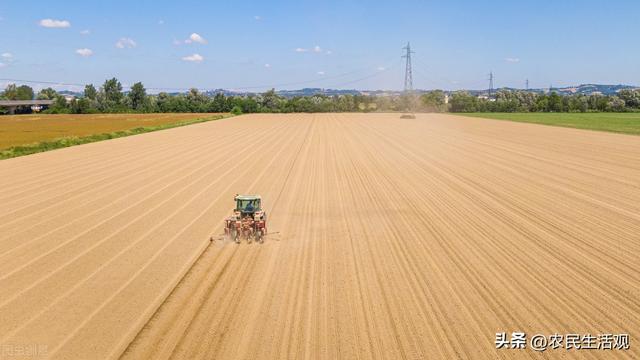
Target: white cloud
(257, 17)
(84, 52)
(160, 22)
(194, 58)
(85, 32)
(512, 60)
(126, 43)
(195, 38)
(320, 72)
(381, 68)
(316, 49)
(51, 23)
(6, 58)
(267, 65)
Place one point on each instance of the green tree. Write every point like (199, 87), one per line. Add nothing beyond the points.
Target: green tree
(23, 92)
(82, 105)
(433, 101)
(112, 90)
(90, 92)
(383, 103)
(47, 94)
(137, 96)
(555, 102)
(270, 101)
(630, 97)
(219, 103)
(10, 92)
(110, 96)
(59, 106)
(615, 104)
(248, 104)
(577, 103)
(237, 110)
(196, 101)
(462, 101)
(346, 103)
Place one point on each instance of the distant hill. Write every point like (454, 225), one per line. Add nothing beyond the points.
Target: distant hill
(316, 91)
(584, 89)
(287, 93)
(588, 89)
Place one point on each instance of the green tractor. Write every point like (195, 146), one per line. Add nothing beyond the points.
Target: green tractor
(248, 221)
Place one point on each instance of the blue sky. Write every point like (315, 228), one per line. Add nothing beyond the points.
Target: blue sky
(255, 45)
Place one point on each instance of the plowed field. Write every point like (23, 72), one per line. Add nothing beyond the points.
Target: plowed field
(414, 238)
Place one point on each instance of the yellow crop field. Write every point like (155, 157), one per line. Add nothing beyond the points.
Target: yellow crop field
(19, 130)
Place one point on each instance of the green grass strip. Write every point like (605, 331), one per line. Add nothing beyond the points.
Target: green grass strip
(64, 142)
(623, 123)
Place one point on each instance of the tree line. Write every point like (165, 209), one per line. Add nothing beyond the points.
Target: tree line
(110, 98)
(525, 101)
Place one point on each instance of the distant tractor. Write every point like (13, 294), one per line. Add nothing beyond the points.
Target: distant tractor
(248, 221)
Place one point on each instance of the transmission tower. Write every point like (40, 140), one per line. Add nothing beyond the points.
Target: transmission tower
(408, 72)
(527, 85)
(408, 84)
(490, 83)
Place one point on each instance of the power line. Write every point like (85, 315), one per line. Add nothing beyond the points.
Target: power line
(297, 82)
(41, 82)
(74, 84)
(363, 78)
(317, 80)
(378, 72)
(432, 78)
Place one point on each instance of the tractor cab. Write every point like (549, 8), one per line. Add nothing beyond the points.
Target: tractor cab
(248, 204)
